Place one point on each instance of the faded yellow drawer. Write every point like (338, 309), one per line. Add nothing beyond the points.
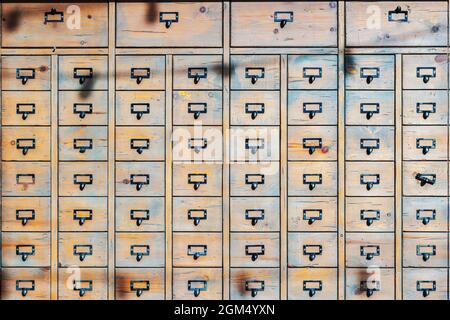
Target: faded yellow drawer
(425, 214)
(139, 179)
(86, 249)
(255, 108)
(312, 143)
(140, 108)
(255, 179)
(370, 214)
(312, 72)
(425, 71)
(312, 249)
(194, 72)
(197, 284)
(140, 214)
(86, 179)
(312, 284)
(255, 214)
(369, 108)
(255, 143)
(25, 108)
(255, 249)
(197, 214)
(369, 179)
(82, 284)
(425, 178)
(140, 249)
(425, 143)
(255, 284)
(422, 249)
(197, 108)
(30, 249)
(369, 72)
(199, 143)
(197, 249)
(255, 72)
(425, 284)
(25, 214)
(83, 143)
(83, 108)
(26, 179)
(25, 284)
(425, 107)
(312, 178)
(370, 284)
(140, 284)
(140, 143)
(197, 179)
(374, 143)
(26, 144)
(370, 249)
(83, 73)
(25, 72)
(312, 214)
(312, 107)
(83, 214)
(140, 72)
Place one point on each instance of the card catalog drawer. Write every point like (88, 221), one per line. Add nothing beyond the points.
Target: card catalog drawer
(425, 178)
(426, 284)
(312, 284)
(312, 143)
(262, 179)
(255, 143)
(255, 284)
(81, 108)
(140, 214)
(140, 143)
(26, 179)
(83, 73)
(83, 214)
(312, 107)
(197, 108)
(370, 143)
(425, 249)
(425, 214)
(140, 108)
(25, 72)
(24, 108)
(425, 143)
(312, 72)
(140, 284)
(312, 249)
(425, 71)
(197, 249)
(197, 214)
(255, 108)
(369, 108)
(83, 143)
(199, 143)
(25, 283)
(369, 249)
(312, 179)
(139, 179)
(369, 72)
(82, 284)
(87, 249)
(197, 284)
(370, 179)
(197, 179)
(86, 179)
(370, 214)
(312, 214)
(255, 249)
(25, 214)
(194, 72)
(255, 72)
(25, 143)
(30, 249)
(141, 250)
(140, 72)
(425, 107)
(255, 214)
(370, 284)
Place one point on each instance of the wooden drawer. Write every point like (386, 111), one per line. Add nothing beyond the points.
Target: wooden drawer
(194, 72)
(87, 249)
(255, 250)
(369, 249)
(83, 73)
(199, 143)
(25, 72)
(255, 72)
(140, 72)
(425, 214)
(22, 108)
(197, 108)
(25, 283)
(30, 249)
(83, 214)
(197, 214)
(312, 143)
(141, 250)
(255, 143)
(83, 143)
(197, 284)
(140, 214)
(55, 25)
(425, 71)
(197, 179)
(370, 143)
(26, 179)
(312, 214)
(370, 214)
(255, 214)
(197, 249)
(284, 24)
(312, 249)
(261, 179)
(426, 284)
(370, 284)
(169, 24)
(369, 108)
(86, 179)
(312, 107)
(312, 284)
(140, 108)
(255, 108)
(26, 144)
(82, 284)
(425, 143)
(425, 178)
(369, 72)
(25, 214)
(425, 107)
(312, 72)
(140, 143)
(140, 284)
(369, 179)
(312, 179)
(144, 179)
(255, 284)
(425, 249)
(82, 108)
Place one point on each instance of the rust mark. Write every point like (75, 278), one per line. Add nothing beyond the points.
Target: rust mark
(325, 149)
(43, 68)
(126, 181)
(13, 142)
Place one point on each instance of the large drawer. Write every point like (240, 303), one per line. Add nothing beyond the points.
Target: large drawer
(83, 108)
(83, 179)
(255, 249)
(87, 249)
(140, 143)
(369, 249)
(82, 283)
(369, 179)
(255, 214)
(25, 72)
(25, 283)
(197, 179)
(26, 144)
(197, 214)
(312, 214)
(30, 249)
(370, 214)
(255, 72)
(139, 179)
(140, 73)
(140, 284)
(197, 108)
(24, 108)
(308, 72)
(83, 143)
(25, 214)
(312, 143)
(312, 284)
(140, 108)
(425, 178)
(426, 284)
(197, 249)
(425, 214)
(312, 178)
(425, 249)
(312, 249)
(197, 284)
(83, 73)
(370, 284)
(255, 179)
(255, 284)
(369, 72)
(83, 214)
(26, 179)
(140, 250)
(140, 214)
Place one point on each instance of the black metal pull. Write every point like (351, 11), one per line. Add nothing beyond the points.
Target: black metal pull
(312, 251)
(425, 144)
(312, 108)
(140, 74)
(369, 109)
(197, 74)
(25, 215)
(197, 179)
(82, 215)
(25, 109)
(25, 145)
(197, 250)
(139, 286)
(283, 17)
(82, 109)
(312, 144)
(426, 178)
(139, 109)
(197, 108)
(254, 215)
(369, 145)
(254, 144)
(197, 144)
(197, 215)
(24, 251)
(312, 180)
(25, 178)
(24, 74)
(139, 145)
(82, 74)
(312, 73)
(426, 251)
(426, 287)
(370, 287)
(83, 144)
(197, 286)
(370, 216)
(82, 251)
(369, 73)
(426, 215)
(139, 216)
(254, 109)
(255, 250)
(139, 251)
(426, 73)
(369, 180)
(312, 215)
(254, 74)
(82, 286)
(82, 180)
(53, 16)
(168, 18)
(426, 108)
(139, 180)
(254, 286)
(25, 286)
(312, 287)
(254, 180)
(398, 15)
(369, 251)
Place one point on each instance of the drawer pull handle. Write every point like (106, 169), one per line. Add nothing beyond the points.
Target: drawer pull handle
(254, 109)
(82, 251)
(82, 74)
(254, 180)
(82, 109)
(369, 73)
(168, 18)
(426, 287)
(426, 73)
(312, 215)
(140, 74)
(82, 215)
(82, 286)
(53, 16)
(25, 286)
(370, 216)
(197, 144)
(139, 216)
(197, 250)
(25, 109)
(312, 144)
(197, 179)
(370, 251)
(426, 215)
(197, 286)
(25, 145)
(369, 145)
(254, 286)
(312, 73)
(370, 287)
(312, 108)
(139, 251)
(425, 144)
(255, 250)
(312, 180)
(139, 286)
(398, 15)
(254, 144)
(24, 251)
(369, 109)
(197, 108)
(197, 74)
(197, 215)
(283, 17)
(24, 74)
(82, 180)
(426, 251)
(139, 109)
(254, 74)
(25, 215)
(139, 180)
(25, 178)
(369, 180)
(426, 178)
(312, 251)
(83, 144)
(426, 108)
(254, 215)
(312, 286)
(140, 145)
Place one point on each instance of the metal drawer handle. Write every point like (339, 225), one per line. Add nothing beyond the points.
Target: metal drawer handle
(25, 215)
(369, 73)
(139, 109)
(255, 250)
(254, 180)
(425, 144)
(197, 179)
(426, 287)
(83, 144)
(82, 215)
(25, 109)
(25, 145)
(197, 144)
(426, 251)
(369, 145)
(312, 251)
(82, 109)
(139, 180)
(312, 108)
(24, 74)
(312, 180)
(254, 74)
(140, 74)
(369, 180)
(197, 250)
(139, 286)
(197, 108)
(254, 286)
(82, 180)
(254, 144)
(24, 251)
(369, 109)
(82, 251)
(139, 251)
(82, 286)
(426, 73)
(25, 286)
(25, 178)
(312, 144)
(426, 108)
(370, 216)
(139, 145)
(197, 215)
(197, 74)
(312, 286)
(426, 215)
(53, 16)
(369, 251)
(139, 216)
(398, 15)
(426, 178)
(197, 286)
(312, 73)
(254, 215)
(168, 18)
(254, 109)
(312, 215)
(370, 287)
(283, 17)
(82, 74)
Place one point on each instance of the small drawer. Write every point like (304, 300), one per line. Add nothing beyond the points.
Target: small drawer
(26, 144)
(25, 283)
(23, 108)
(197, 214)
(197, 249)
(26, 179)
(369, 108)
(425, 71)
(197, 179)
(312, 107)
(425, 214)
(139, 179)
(197, 284)
(83, 214)
(197, 108)
(140, 143)
(83, 284)
(370, 214)
(30, 249)
(260, 108)
(312, 72)
(140, 72)
(26, 72)
(370, 284)
(370, 143)
(198, 143)
(312, 143)
(370, 179)
(425, 143)
(425, 249)
(261, 179)
(194, 72)
(87, 249)
(255, 143)
(86, 179)
(312, 179)
(25, 214)
(255, 249)
(140, 214)
(83, 73)
(255, 214)
(140, 284)
(140, 108)
(425, 107)
(312, 214)
(312, 284)
(369, 72)
(425, 284)
(312, 249)
(255, 72)
(141, 250)
(255, 284)
(83, 143)
(80, 108)
(425, 178)
(368, 249)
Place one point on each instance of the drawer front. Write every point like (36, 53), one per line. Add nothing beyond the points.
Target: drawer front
(370, 179)
(199, 179)
(370, 284)
(255, 143)
(140, 214)
(255, 72)
(25, 108)
(312, 214)
(312, 249)
(425, 72)
(25, 284)
(312, 179)
(169, 24)
(312, 72)
(312, 143)
(83, 284)
(140, 108)
(425, 214)
(140, 72)
(368, 249)
(141, 250)
(369, 108)
(255, 250)
(197, 143)
(83, 143)
(369, 72)
(197, 214)
(83, 73)
(26, 72)
(193, 72)
(255, 108)
(25, 214)
(197, 108)
(87, 249)
(197, 284)
(425, 284)
(312, 284)
(312, 107)
(142, 179)
(25, 144)
(284, 24)
(260, 179)
(370, 214)
(80, 108)
(26, 179)
(86, 179)
(255, 214)
(425, 107)
(370, 143)
(25, 249)
(64, 25)
(425, 249)
(255, 284)
(425, 143)
(140, 284)
(83, 214)
(423, 178)
(197, 249)
(140, 143)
